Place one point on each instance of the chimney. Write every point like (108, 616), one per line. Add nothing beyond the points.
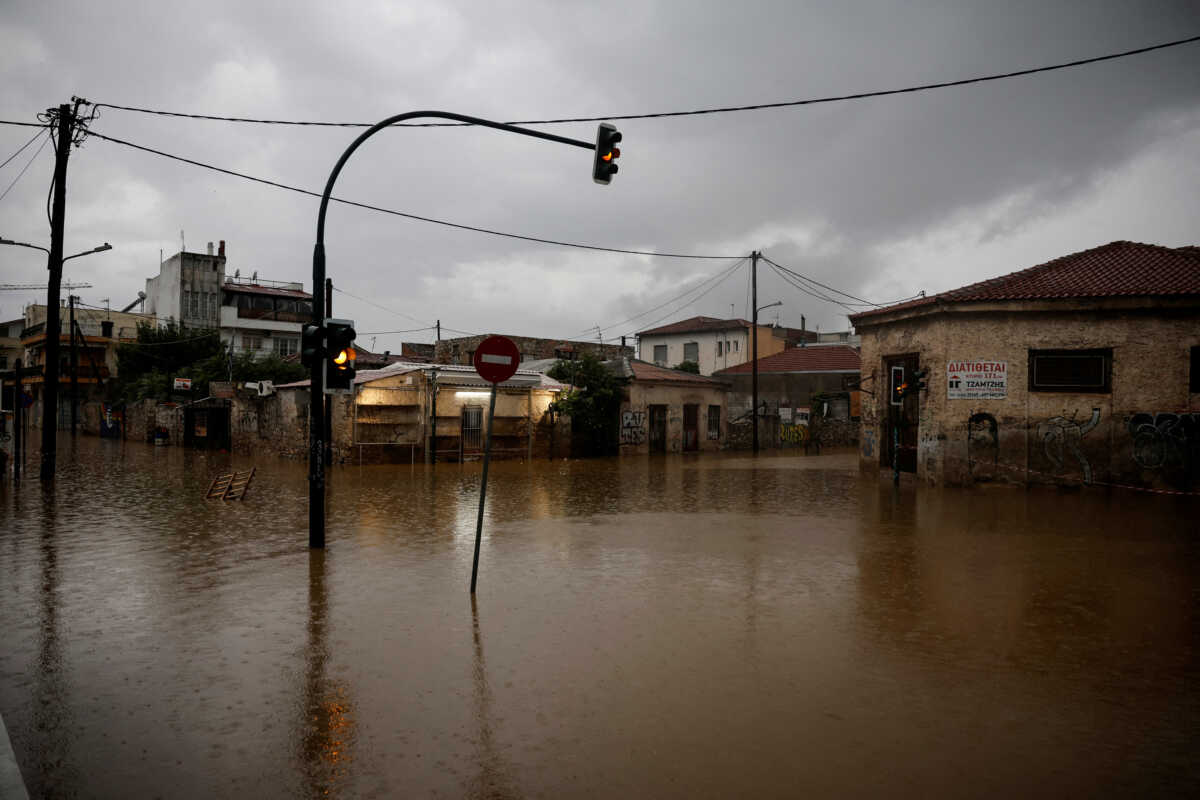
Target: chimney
(106, 328)
(210, 248)
(221, 251)
(803, 334)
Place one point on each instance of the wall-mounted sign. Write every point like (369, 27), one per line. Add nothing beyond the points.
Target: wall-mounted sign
(183, 384)
(977, 380)
(800, 415)
(785, 415)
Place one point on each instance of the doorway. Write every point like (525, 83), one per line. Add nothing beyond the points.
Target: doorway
(900, 415)
(658, 429)
(691, 428)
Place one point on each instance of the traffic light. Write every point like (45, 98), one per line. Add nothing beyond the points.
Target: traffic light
(310, 345)
(901, 391)
(339, 356)
(919, 379)
(607, 153)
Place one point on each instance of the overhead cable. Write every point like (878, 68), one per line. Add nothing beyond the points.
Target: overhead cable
(818, 283)
(384, 308)
(719, 110)
(690, 303)
(489, 231)
(20, 150)
(28, 163)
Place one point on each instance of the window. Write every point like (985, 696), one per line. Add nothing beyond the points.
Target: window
(285, 346)
(735, 345)
(718, 349)
(1194, 386)
(251, 342)
(714, 422)
(691, 352)
(194, 304)
(1070, 370)
(660, 354)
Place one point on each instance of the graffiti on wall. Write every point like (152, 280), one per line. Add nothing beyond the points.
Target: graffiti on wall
(868, 445)
(1165, 440)
(983, 444)
(633, 427)
(793, 434)
(1061, 436)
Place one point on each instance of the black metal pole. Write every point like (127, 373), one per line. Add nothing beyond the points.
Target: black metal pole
(18, 421)
(487, 457)
(74, 370)
(895, 444)
(329, 401)
(316, 461)
(58, 221)
(754, 345)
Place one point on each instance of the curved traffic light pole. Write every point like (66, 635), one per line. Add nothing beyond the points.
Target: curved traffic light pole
(316, 425)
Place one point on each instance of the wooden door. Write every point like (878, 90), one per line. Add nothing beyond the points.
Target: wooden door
(691, 427)
(658, 429)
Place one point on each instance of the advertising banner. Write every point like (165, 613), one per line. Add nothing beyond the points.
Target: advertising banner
(977, 380)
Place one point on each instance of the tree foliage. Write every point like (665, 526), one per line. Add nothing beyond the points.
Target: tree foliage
(593, 403)
(688, 366)
(147, 368)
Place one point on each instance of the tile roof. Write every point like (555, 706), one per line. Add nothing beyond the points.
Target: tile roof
(697, 324)
(814, 358)
(242, 288)
(645, 371)
(1116, 269)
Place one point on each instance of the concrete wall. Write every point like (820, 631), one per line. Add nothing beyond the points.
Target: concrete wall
(1145, 431)
(770, 341)
(635, 416)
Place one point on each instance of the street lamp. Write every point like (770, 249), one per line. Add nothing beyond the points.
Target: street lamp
(754, 370)
(100, 249)
(316, 461)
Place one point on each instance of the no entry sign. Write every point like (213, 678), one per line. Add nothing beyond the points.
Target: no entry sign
(496, 359)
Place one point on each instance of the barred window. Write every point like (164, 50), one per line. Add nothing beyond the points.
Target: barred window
(714, 422)
(1070, 370)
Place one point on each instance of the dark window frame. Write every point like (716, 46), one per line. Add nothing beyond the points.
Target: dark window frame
(1194, 376)
(714, 431)
(1095, 352)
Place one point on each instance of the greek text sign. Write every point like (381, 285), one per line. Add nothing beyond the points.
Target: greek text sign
(976, 380)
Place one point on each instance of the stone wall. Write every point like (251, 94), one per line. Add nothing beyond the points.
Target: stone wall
(1145, 431)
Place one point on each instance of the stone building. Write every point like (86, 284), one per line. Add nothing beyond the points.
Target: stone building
(797, 387)
(1085, 369)
(462, 349)
(669, 411)
(714, 344)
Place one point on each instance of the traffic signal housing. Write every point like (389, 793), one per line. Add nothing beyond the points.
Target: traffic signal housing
(310, 344)
(339, 356)
(918, 378)
(605, 164)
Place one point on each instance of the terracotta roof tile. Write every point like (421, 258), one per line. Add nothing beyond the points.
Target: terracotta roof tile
(645, 371)
(814, 358)
(697, 324)
(1116, 269)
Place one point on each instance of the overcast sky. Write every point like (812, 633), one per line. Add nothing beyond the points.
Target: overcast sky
(880, 198)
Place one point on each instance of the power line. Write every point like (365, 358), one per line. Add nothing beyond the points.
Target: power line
(692, 302)
(385, 333)
(818, 283)
(789, 279)
(679, 296)
(395, 213)
(384, 308)
(24, 124)
(41, 147)
(696, 112)
(21, 150)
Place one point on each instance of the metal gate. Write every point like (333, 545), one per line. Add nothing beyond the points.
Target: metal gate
(472, 429)
(691, 427)
(658, 429)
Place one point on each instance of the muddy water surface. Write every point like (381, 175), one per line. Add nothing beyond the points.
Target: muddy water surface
(701, 627)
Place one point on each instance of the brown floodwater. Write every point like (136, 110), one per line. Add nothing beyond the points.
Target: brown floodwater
(707, 626)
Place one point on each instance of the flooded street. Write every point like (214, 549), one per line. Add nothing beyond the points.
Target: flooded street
(712, 626)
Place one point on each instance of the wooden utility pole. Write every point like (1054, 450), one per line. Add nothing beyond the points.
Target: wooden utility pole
(754, 344)
(65, 120)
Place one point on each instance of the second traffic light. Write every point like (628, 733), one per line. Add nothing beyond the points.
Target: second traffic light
(605, 164)
(339, 356)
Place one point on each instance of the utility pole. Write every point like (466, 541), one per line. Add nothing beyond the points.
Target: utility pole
(65, 119)
(328, 401)
(74, 370)
(754, 343)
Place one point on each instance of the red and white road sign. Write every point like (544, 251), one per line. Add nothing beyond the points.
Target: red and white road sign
(496, 359)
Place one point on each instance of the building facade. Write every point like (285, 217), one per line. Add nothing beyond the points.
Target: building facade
(714, 344)
(187, 289)
(462, 350)
(1083, 370)
(669, 411)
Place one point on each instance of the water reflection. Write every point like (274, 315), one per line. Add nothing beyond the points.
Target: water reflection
(54, 773)
(492, 777)
(327, 731)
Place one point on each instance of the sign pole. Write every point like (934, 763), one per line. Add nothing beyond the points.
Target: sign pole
(487, 457)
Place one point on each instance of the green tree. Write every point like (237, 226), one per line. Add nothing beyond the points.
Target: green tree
(593, 403)
(688, 366)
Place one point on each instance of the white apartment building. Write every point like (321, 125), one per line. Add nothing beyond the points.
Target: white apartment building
(254, 316)
(713, 343)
